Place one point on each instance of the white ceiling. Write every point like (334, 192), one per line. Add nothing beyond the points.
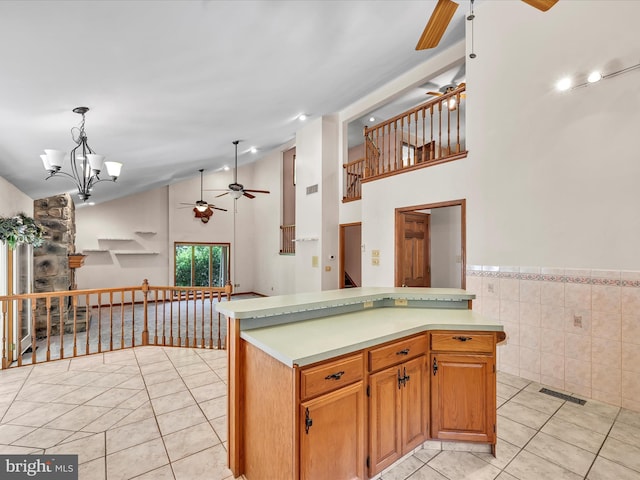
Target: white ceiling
(172, 83)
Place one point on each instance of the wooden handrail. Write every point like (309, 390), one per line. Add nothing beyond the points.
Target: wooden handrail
(428, 134)
(98, 320)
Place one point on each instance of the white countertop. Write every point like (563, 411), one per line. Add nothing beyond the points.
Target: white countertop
(282, 304)
(305, 342)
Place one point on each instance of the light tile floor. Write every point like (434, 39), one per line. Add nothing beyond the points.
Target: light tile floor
(160, 413)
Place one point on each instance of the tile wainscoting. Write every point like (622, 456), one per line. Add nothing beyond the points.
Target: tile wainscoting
(575, 330)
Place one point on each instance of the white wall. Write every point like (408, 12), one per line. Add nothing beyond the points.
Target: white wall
(553, 176)
(98, 227)
(274, 274)
(13, 201)
(446, 247)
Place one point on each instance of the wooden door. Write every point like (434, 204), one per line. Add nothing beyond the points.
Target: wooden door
(385, 442)
(414, 250)
(462, 397)
(414, 402)
(332, 435)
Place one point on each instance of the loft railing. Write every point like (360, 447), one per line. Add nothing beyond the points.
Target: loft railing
(287, 239)
(426, 135)
(352, 179)
(75, 323)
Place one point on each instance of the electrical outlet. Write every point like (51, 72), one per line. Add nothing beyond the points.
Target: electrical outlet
(490, 287)
(367, 305)
(375, 262)
(375, 253)
(315, 261)
(400, 302)
(577, 321)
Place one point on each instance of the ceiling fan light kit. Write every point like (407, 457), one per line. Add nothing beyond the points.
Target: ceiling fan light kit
(85, 164)
(201, 209)
(237, 190)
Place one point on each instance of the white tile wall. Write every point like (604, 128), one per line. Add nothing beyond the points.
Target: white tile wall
(574, 329)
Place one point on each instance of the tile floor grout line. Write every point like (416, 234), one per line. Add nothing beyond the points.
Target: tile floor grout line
(602, 445)
(529, 441)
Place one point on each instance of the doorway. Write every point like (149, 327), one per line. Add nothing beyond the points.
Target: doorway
(430, 245)
(351, 255)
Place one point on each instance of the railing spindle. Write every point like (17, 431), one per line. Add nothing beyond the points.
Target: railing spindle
(111, 321)
(122, 318)
(5, 333)
(62, 313)
(19, 332)
(87, 326)
(33, 331)
(48, 313)
(75, 327)
(99, 307)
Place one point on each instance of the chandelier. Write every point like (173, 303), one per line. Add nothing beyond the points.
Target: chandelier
(86, 165)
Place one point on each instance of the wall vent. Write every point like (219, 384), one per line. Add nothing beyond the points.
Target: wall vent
(312, 189)
(563, 396)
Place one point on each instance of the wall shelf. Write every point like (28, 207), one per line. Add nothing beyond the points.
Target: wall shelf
(135, 252)
(94, 250)
(144, 232)
(115, 239)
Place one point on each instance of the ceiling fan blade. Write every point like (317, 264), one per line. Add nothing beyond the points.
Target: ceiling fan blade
(462, 85)
(434, 94)
(222, 194)
(256, 191)
(543, 5)
(437, 24)
(248, 195)
(215, 190)
(218, 208)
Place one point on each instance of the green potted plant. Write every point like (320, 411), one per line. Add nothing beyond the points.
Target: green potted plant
(20, 229)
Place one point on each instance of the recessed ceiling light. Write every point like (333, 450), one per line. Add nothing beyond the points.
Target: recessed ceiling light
(302, 117)
(372, 119)
(226, 168)
(564, 84)
(594, 77)
(253, 150)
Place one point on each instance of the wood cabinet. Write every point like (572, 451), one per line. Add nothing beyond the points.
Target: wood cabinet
(332, 435)
(331, 420)
(463, 386)
(398, 401)
(349, 417)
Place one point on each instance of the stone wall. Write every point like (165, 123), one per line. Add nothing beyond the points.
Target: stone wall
(51, 261)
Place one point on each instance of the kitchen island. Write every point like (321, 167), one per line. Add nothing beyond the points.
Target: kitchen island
(341, 384)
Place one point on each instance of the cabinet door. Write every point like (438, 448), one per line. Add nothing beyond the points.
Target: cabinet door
(462, 397)
(414, 404)
(385, 442)
(332, 435)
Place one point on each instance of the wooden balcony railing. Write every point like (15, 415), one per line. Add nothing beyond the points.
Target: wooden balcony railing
(81, 322)
(287, 239)
(428, 134)
(352, 180)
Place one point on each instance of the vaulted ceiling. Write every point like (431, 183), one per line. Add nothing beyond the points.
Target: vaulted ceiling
(170, 84)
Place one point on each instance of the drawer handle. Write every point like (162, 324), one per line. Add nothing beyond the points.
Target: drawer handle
(463, 339)
(403, 352)
(334, 376)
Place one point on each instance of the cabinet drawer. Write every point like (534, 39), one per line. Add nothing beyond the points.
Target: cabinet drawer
(330, 376)
(397, 352)
(462, 342)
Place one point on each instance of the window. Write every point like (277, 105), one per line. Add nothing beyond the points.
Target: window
(201, 264)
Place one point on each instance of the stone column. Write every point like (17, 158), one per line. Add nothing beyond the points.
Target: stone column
(51, 260)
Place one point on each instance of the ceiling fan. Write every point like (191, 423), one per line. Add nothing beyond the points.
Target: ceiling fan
(202, 210)
(443, 13)
(452, 87)
(236, 189)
